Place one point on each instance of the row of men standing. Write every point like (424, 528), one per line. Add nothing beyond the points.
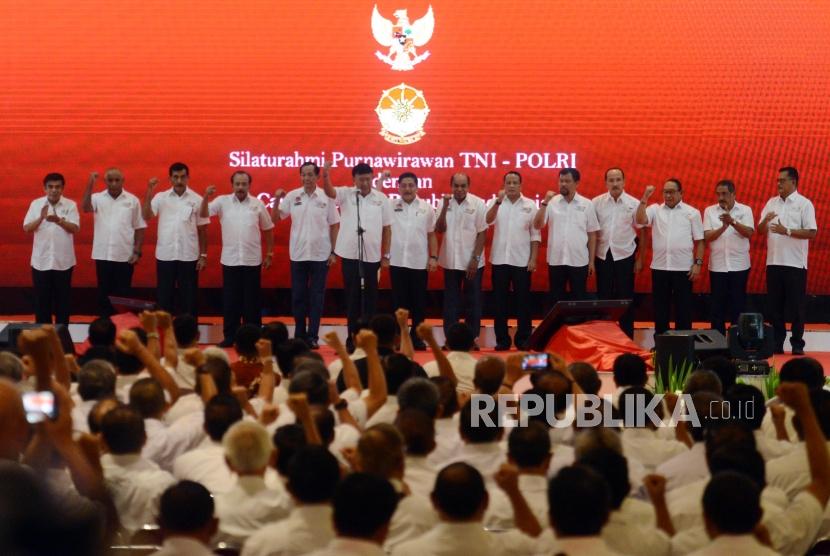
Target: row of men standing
(584, 236)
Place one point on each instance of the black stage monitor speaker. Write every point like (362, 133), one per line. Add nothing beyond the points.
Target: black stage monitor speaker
(688, 346)
(8, 336)
(708, 343)
(575, 312)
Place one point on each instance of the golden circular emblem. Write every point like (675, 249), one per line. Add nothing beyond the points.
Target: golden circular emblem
(402, 111)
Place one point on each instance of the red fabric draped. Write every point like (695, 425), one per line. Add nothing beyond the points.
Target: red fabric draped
(595, 342)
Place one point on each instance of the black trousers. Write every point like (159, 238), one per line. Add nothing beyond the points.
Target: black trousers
(360, 303)
(240, 298)
(728, 297)
(560, 276)
(114, 278)
(787, 293)
(409, 291)
(308, 292)
(52, 295)
(505, 276)
(671, 287)
(169, 275)
(615, 280)
(454, 281)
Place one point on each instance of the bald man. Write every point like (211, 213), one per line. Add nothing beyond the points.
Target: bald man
(118, 235)
(489, 375)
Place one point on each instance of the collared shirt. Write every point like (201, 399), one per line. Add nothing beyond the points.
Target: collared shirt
(311, 219)
(794, 527)
(411, 224)
(451, 539)
(486, 457)
(136, 486)
(419, 475)
(342, 546)
(465, 220)
(307, 528)
(183, 546)
(569, 224)
(413, 517)
(790, 472)
(447, 441)
(513, 232)
(730, 252)
(206, 465)
(178, 238)
(628, 534)
(685, 467)
(116, 221)
(166, 443)
(730, 545)
(375, 213)
(463, 365)
(673, 235)
(771, 448)
(53, 248)
(643, 445)
(184, 406)
(617, 225)
(249, 506)
(794, 213)
(241, 225)
(534, 488)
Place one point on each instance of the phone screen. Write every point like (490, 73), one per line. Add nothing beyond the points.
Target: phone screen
(535, 361)
(39, 406)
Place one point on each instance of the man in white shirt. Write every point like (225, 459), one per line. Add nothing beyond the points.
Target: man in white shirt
(462, 220)
(677, 254)
(414, 251)
(313, 474)
(363, 242)
(619, 255)
(789, 222)
(250, 504)
(727, 227)
(136, 484)
(363, 508)
(119, 233)
(572, 236)
(187, 522)
(314, 226)
(244, 219)
(459, 340)
(513, 258)
(181, 247)
(53, 220)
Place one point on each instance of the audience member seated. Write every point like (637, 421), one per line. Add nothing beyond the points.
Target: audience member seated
(809, 372)
(482, 445)
(640, 440)
(250, 504)
(447, 437)
(418, 431)
(586, 376)
(749, 408)
(363, 508)
(96, 381)
(488, 375)
(248, 367)
(459, 341)
(703, 381)
(629, 370)
(205, 464)
(187, 521)
(185, 330)
(312, 477)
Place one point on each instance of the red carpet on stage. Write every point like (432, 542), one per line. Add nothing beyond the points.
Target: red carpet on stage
(595, 342)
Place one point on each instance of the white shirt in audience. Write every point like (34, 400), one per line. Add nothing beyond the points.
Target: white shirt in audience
(794, 527)
(182, 546)
(336, 366)
(136, 485)
(627, 533)
(166, 443)
(341, 546)
(790, 472)
(249, 506)
(768, 426)
(185, 405)
(486, 457)
(463, 365)
(685, 468)
(307, 528)
(206, 465)
(463, 539)
(771, 448)
(447, 441)
(413, 517)
(535, 490)
(643, 445)
(386, 413)
(419, 475)
(595, 546)
(733, 545)
(80, 413)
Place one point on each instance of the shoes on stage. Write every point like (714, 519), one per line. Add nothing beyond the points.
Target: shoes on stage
(475, 347)
(226, 343)
(445, 348)
(502, 347)
(313, 344)
(798, 351)
(419, 346)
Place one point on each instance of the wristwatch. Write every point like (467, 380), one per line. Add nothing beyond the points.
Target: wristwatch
(387, 256)
(203, 255)
(699, 262)
(789, 232)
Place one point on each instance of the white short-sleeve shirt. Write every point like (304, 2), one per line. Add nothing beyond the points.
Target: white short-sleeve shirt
(673, 235)
(617, 225)
(53, 248)
(241, 225)
(794, 213)
(730, 252)
(115, 223)
(311, 219)
(411, 225)
(375, 213)
(513, 232)
(178, 237)
(569, 224)
(465, 220)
